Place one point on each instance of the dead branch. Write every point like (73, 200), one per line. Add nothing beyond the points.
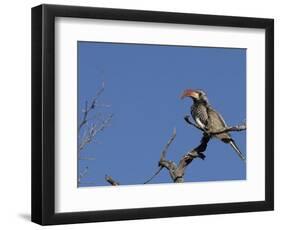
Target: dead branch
(111, 181)
(82, 174)
(90, 125)
(170, 141)
(93, 130)
(88, 108)
(177, 170)
(154, 175)
(163, 156)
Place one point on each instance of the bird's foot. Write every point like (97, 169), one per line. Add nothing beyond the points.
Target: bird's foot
(201, 156)
(207, 133)
(196, 154)
(187, 119)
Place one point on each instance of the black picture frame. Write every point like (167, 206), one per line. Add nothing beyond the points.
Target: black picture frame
(43, 114)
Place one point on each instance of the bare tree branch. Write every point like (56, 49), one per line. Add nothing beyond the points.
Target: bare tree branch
(154, 175)
(88, 108)
(170, 141)
(177, 171)
(163, 156)
(82, 174)
(90, 125)
(94, 130)
(111, 181)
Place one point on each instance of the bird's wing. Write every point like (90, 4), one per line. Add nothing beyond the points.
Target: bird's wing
(216, 121)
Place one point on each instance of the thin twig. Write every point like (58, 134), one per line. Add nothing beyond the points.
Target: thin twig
(82, 174)
(94, 130)
(154, 175)
(163, 155)
(170, 141)
(90, 125)
(88, 108)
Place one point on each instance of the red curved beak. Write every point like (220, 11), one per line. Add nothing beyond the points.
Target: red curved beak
(188, 93)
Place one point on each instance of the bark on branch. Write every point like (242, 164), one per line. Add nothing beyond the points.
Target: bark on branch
(177, 171)
(163, 156)
(92, 123)
(111, 181)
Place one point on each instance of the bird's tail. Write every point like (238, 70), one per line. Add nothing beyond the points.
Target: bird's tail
(235, 147)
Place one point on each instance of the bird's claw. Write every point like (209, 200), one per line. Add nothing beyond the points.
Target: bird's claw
(187, 118)
(201, 156)
(197, 154)
(207, 133)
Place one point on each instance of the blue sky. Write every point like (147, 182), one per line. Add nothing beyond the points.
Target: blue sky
(143, 84)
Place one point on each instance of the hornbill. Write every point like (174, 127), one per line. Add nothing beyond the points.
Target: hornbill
(208, 119)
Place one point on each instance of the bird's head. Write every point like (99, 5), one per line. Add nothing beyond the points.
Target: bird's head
(195, 95)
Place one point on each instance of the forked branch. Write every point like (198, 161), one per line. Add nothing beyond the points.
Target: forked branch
(89, 107)
(177, 171)
(92, 123)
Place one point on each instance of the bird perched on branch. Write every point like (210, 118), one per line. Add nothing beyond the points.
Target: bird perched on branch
(208, 119)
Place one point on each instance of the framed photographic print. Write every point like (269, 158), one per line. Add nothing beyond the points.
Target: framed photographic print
(142, 114)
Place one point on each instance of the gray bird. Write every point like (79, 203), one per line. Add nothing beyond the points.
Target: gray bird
(209, 119)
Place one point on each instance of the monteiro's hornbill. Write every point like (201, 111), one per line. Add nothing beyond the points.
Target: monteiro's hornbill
(209, 119)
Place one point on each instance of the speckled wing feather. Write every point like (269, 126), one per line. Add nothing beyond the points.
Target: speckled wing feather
(200, 115)
(216, 123)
